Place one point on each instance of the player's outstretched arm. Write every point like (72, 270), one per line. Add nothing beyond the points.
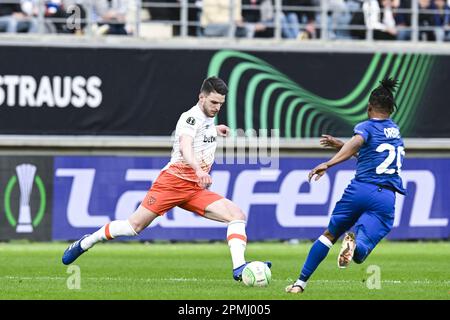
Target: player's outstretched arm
(346, 152)
(331, 142)
(187, 151)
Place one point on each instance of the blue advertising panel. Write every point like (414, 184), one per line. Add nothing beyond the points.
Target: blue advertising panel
(279, 202)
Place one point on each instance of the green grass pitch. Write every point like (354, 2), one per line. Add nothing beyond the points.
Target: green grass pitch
(408, 270)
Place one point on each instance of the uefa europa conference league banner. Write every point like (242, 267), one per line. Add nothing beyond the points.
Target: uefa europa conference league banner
(143, 91)
(92, 191)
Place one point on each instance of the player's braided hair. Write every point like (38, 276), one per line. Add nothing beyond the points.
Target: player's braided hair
(214, 84)
(382, 97)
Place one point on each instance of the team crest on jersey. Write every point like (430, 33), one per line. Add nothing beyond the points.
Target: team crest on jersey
(191, 120)
(151, 200)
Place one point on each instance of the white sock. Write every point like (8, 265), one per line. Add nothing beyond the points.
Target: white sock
(300, 283)
(326, 241)
(237, 241)
(107, 232)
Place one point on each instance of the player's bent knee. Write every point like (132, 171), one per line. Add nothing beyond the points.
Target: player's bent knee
(238, 215)
(330, 237)
(233, 216)
(234, 212)
(141, 218)
(137, 227)
(224, 210)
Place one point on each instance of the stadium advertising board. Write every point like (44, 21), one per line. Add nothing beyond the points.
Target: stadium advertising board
(82, 90)
(91, 191)
(26, 184)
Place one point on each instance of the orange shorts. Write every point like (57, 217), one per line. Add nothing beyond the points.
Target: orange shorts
(169, 191)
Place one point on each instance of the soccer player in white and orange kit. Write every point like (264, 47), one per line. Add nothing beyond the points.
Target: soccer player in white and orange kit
(184, 182)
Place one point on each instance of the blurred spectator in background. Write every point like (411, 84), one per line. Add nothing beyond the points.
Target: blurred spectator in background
(75, 14)
(110, 16)
(379, 17)
(357, 20)
(255, 19)
(290, 24)
(338, 19)
(55, 16)
(215, 18)
(403, 21)
(426, 21)
(194, 14)
(441, 20)
(352, 16)
(18, 17)
(258, 16)
(292, 19)
(160, 12)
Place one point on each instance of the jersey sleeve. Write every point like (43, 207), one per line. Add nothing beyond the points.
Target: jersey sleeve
(363, 130)
(188, 125)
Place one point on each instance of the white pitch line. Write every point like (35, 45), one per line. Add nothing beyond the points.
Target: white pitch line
(46, 278)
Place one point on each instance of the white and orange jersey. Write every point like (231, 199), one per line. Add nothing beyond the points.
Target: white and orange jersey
(201, 128)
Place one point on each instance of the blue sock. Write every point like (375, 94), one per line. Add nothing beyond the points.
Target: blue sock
(318, 252)
(363, 246)
(361, 252)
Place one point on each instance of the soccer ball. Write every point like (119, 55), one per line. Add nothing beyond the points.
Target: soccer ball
(256, 274)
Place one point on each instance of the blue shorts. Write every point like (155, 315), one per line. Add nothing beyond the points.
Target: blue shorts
(367, 207)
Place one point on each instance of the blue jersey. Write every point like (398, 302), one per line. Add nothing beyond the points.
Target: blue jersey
(380, 157)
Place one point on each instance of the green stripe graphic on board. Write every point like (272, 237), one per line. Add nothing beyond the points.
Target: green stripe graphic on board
(283, 104)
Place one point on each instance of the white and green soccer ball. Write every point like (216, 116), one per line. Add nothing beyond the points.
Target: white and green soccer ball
(256, 274)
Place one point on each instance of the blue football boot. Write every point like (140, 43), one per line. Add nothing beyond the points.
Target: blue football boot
(73, 251)
(237, 273)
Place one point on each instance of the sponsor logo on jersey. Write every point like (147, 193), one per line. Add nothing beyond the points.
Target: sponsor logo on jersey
(209, 139)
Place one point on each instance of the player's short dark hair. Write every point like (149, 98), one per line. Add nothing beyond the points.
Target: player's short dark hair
(214, 84)
(382, 97)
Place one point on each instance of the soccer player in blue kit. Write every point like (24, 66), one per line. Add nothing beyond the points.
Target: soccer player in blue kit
(368, 203)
